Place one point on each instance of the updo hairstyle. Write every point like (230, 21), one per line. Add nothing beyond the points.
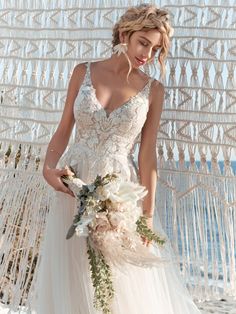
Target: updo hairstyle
(145, 17)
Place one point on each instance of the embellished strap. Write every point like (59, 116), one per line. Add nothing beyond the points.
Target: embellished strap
(86, 80)
(147, 87)
(151, 79)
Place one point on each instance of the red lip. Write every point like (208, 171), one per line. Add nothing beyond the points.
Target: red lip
(140, 60)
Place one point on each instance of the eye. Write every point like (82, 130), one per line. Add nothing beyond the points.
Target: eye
(143, 44)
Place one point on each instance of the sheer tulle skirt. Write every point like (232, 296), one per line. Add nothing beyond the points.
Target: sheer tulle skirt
(63, 284)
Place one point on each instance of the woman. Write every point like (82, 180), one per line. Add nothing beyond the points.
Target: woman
(111, 102)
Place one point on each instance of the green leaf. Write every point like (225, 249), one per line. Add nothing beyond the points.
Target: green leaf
(102, 280)
(71, 232)
(145, 231)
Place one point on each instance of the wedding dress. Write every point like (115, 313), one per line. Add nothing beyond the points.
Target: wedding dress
(104, 143)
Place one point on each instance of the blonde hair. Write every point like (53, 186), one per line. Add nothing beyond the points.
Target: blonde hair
(145, 17)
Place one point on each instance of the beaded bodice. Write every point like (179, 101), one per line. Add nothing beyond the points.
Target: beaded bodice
(105, 141)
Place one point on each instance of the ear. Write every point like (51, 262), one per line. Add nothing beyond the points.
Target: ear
(122, 37)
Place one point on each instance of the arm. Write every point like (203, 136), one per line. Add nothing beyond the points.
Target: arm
(147, 158)
(59, 140)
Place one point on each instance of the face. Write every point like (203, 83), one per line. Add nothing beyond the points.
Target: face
(142, 46)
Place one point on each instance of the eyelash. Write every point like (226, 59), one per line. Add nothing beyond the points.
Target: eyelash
(145, 45)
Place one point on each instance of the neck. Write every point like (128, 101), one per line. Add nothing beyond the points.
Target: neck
(118, 64)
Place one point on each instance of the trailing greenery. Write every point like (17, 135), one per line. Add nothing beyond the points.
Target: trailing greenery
(91, 204)
(146, 232)
(101, 279)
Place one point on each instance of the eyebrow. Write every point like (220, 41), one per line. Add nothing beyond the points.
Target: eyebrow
(149, 41)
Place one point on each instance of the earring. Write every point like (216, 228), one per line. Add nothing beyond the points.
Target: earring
(120, 48)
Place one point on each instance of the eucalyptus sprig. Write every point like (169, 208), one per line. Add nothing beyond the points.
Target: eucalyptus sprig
(106, 205)
(102, 280)
(145, 231)
(100, 181)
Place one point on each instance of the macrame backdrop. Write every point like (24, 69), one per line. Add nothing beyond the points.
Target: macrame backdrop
(41, 42)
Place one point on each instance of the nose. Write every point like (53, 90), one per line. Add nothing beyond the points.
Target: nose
(147, 54)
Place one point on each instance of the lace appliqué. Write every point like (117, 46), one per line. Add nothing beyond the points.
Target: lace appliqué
(104, 142)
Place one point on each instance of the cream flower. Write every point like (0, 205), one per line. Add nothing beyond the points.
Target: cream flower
(100, 223)
(121, 191)
(117, 220)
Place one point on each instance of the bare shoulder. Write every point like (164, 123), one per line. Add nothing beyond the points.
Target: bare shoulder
(157, 89)
(157, 92)
(80, 67)
(156, 86)
(79, 74)
(75, 83)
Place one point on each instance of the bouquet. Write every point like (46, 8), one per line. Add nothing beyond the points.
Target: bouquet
(109, 217)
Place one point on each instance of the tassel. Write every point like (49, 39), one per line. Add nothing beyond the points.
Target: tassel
(23, 215)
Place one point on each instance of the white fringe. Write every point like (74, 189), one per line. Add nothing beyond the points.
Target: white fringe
(24, 205)
(197, 210)
(40, 47)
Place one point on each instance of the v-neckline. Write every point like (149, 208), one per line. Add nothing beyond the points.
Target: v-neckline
(107, 113)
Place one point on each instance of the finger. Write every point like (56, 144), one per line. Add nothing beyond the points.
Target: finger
(68, 192)
(144, 241)
(70, 169)
(65, 172)
(64, 189)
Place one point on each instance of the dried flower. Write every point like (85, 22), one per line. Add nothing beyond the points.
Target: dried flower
(109, 216)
